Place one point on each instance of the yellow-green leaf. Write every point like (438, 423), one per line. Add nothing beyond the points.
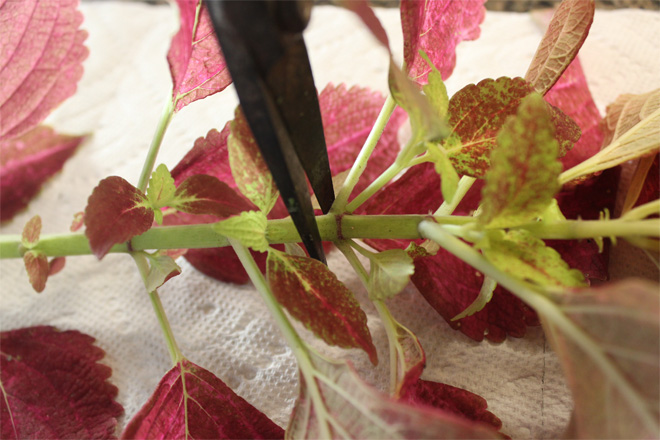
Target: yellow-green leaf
(249, 228)
(390, 273)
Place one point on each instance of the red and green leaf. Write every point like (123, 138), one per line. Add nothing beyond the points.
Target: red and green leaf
(206, 195)
(54, 387)
(563, 39)
(191, 402)
(116, 212)
(31, 232)
(478, 112)
(313, 295)
(436, 27)
(40, 62)
(196, 62)
(27, 162)
(36, 265)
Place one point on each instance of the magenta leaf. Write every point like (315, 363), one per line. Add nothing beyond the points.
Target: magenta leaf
(191, 402)
(477, 112)
(37, 268)
(27, 162)
(196, 62)
(436, 27)
(40, 62)
(314, 296)
(451, 399)
(54, 387)
(206, 195)
(563, 39)
(116, 212)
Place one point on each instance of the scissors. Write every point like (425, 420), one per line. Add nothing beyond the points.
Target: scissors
(266, 55)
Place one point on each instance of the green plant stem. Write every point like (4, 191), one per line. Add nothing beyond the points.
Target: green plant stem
(350, 226)
(387, 175)
(173, 348)
(547, 309)
(464, 185)
(298, 347)
(360, 163)
(156, 141)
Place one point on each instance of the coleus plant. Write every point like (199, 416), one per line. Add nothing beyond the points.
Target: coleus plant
(501, 218)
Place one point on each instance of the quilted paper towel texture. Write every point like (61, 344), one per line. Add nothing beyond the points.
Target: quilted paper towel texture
(225, 328)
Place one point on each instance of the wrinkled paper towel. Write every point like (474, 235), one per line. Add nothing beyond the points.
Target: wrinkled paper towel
(226, 328)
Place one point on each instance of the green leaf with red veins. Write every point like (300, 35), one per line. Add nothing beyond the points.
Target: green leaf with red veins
(526, 257)
(37, 268)
(313, 295)
(608, 341)
(390, 273)
(192, 403)
(202, 194)
(196, 62)
(40, 62)
(249, 228)
(248, 166)
(116, 212)
(522, 179)
(161, 189)
(436, 27)
(52, 386)
(31, 232)
(347, 408)
(562, 41)
(478, 112)
(27, 162)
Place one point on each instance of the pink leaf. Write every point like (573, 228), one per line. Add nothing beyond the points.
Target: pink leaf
(53, 387)
(451, 399)
(196, 62)
(56, 265)
(40, 62)
(563, 39)
(314, 296)
(36, 265)
(436, 27)
(571, 95)
(116, 212)
(31, 232)
(190, 402)
(27, 162)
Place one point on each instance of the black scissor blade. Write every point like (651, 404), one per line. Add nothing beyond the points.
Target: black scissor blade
(261, 112)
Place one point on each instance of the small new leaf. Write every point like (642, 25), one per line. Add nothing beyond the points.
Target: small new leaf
(248, 166)
(116, 212)
(435, 90)
(31, 232)
(390, 273)
(522, 179)
(37, 268)
(526, 257)
(249, 228)
(313, 295)
(444, 167)
(161, 189)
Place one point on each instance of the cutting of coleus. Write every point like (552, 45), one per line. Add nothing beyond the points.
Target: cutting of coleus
(496, 203)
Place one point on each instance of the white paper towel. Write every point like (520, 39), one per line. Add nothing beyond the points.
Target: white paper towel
(225, 328)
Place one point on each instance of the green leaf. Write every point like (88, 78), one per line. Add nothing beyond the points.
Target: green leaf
(390, 273)
(313, 295)
(608, 342)
(522, 179)
(161, 189)
(444, 167)
(248, 167)
(162, 267)
(523, 256)
(31, 232)
(477, 112)
(249, 228)
(435, 90)
(485, 295)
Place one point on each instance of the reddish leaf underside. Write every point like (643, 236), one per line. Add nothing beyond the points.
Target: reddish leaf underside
(27, 162)
(40, 61)
(477, 113)
(436, 27)
(53, 386)
(313, 295)
(451, 399)
(36, 265)
(116, 212)
(191, 402)
(206, 195)
(196, 62)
